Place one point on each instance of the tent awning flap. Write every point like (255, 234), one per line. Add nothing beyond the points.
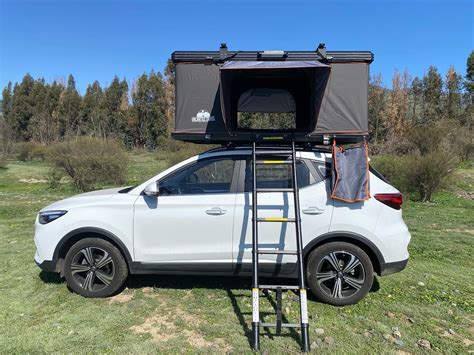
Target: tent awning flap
(266, 100)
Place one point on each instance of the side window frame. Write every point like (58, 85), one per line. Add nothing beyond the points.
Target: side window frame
(235, 175)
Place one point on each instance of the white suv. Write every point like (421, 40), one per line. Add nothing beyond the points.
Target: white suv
(196, 218)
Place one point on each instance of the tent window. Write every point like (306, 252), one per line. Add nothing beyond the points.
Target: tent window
(266, 120)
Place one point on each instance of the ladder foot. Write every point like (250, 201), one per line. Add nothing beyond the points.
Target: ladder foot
(305, 338)
(255, 336)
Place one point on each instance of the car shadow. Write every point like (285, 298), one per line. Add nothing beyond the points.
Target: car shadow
(51, 277)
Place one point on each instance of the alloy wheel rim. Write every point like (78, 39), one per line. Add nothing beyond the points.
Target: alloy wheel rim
(340, 274)
(92, 268)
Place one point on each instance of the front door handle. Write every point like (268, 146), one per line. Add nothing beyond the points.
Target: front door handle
(216, 211)
(312, 210)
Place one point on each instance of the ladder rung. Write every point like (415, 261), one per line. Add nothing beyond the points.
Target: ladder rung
(283, 325)
(273, 161)
(276, 219)
(276, 152)
(275, 189)
(283, 252)
(283, 287)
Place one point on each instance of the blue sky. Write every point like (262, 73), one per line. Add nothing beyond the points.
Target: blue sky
(100, 39)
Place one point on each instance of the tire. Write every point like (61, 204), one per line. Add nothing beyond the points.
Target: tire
(339, 273)
(94, 267)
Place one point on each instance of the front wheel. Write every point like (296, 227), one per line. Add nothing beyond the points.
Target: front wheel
(95, 268)
(339, 273)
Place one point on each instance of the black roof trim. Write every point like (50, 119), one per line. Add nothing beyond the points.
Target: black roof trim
(216, 57)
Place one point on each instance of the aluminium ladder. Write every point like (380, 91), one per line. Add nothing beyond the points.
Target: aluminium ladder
(256, 286)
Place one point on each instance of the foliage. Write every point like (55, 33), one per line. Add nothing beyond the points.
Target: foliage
(30, 150)
(266, 120)
(148, 120)
(177, 151)
(90, 162)
(6, 146)
(426, 173)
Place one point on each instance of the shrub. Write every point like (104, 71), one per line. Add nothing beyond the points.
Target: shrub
(422, 174)
(394, 168)
(54, 177)
(90, 161)
(27, 151)
(426, 173)
(176, 151)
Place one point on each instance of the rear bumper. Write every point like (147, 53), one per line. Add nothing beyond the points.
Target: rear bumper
(391, 268)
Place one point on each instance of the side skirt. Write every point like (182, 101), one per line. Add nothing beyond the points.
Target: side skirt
(222, 269)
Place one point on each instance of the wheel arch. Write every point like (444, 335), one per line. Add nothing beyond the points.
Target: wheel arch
(362, 242)
(76, 235)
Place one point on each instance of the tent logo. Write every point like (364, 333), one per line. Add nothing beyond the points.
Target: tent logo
(203, 116)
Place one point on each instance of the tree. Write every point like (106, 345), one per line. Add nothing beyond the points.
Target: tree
(395, 111)
(21, 108)
(469, 83)
(416, 93)
(7, 100)
(453, 103)
(116, 107)
(376, 106)
(69, 109)
(432, 91)
(38, 99)
(93, 113)
(468, 115)
(148, 119)
(170, 91)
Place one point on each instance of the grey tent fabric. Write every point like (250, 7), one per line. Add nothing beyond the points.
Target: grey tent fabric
(350, 173)
(328, 99)
(198, 107)
(266, 100)
(344, 107)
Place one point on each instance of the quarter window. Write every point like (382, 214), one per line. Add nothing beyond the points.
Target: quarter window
(278, 176)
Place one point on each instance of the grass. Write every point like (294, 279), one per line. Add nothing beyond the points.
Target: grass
(212, 314)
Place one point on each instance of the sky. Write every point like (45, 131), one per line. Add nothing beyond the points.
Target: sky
(96, 40)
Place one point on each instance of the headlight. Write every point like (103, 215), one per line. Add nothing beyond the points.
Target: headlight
(48, 216)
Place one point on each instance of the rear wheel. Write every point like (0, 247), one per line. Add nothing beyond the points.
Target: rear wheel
(95, 268)
(339, 273)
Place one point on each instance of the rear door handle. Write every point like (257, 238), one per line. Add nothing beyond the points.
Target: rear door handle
(312, 210)
(216, 211)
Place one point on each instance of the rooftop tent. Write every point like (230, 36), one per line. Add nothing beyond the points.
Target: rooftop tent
(328, 96)
(273, 86)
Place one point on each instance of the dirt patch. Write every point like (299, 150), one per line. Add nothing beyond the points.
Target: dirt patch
(34, 181)
(121, 298)
(468, 231)
(162, 328)
(158, 326)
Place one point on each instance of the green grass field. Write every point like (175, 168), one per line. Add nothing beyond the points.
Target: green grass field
(431, 300)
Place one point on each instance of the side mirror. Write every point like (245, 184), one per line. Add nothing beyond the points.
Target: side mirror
(152, 189)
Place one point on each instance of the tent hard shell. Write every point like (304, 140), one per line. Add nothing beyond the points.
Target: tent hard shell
(326, 94)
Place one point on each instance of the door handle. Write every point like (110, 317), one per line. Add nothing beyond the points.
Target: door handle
(312, 210)
(216, 211)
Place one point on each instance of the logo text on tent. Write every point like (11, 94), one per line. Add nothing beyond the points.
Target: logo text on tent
(203, 116)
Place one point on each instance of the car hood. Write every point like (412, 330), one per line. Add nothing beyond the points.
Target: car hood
(86, 198)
